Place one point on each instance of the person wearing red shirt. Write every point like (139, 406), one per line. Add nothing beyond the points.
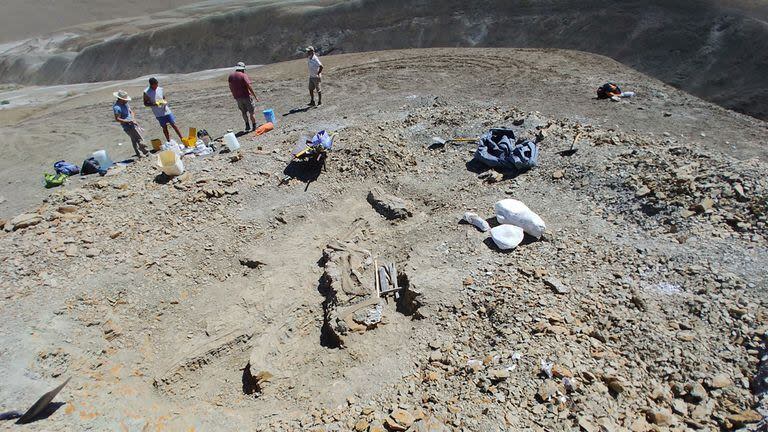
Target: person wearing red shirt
(240, 86)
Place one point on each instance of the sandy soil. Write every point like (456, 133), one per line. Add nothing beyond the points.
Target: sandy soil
(134, 285)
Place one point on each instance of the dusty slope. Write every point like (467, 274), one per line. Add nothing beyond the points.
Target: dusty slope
(142, 283)
(70, 127)
(704, 47)
(21, 19)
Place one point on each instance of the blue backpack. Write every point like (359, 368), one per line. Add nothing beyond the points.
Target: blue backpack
(66, 168)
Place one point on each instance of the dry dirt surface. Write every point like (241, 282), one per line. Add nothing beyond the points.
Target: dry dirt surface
(28, 18)
(240, 295)
(709, 48)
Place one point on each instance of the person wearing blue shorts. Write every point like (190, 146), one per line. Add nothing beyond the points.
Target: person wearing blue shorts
(154, 98)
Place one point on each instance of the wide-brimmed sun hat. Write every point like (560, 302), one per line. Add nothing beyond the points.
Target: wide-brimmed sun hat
(240, 66)
(122, 95)
(309, 49)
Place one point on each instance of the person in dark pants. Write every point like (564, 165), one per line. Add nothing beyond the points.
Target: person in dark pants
(240, 86)
(124, 115)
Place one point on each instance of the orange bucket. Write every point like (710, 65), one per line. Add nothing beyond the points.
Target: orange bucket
(156, 144)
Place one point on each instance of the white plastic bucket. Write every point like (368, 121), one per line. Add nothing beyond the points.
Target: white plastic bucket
(170, 163)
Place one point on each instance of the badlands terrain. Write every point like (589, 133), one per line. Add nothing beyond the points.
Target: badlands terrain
(211, 301)
(710, 48)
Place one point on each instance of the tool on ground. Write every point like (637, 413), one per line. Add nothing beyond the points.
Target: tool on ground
(386, 280)
(36, 409)
(438, 142)
(575, 138)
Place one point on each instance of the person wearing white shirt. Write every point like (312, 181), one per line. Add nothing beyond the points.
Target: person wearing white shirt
(315, 76)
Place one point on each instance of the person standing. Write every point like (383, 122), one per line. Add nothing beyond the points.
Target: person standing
(315, 76)
(154, 97)
(240, 86)
(124, 115)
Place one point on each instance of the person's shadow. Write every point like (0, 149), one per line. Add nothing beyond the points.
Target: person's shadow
(297, 110)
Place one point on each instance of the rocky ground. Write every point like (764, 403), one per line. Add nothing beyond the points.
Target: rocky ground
(209, 301)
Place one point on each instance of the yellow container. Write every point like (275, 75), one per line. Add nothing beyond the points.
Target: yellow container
(193, 134)
(156, 144)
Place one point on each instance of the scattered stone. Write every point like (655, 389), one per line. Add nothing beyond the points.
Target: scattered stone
(429, 424)
(257, 379)
(659, 393)
(679, 407)
(642, 191)
(111, 330)
(547, 390)
(743, 418)
(660, 417)
(369, 317)
(614, 384)
(687, 213)
(558, 174)
(740, 195)
(23, 221)
(251, 261)
(436, 356)
(559, 371)
(704, 205)
(402, 417)
(696, 392)
(67, 209)
(557, 286)
(115, 234)
(393, 425)
(498, 374)
(376, 427)
(586, 425)
(721, 381)
(703, 410)
(389, 206)
(361, 425)
(92, 252)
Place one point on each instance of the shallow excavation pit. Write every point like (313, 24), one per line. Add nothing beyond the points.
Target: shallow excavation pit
(355, 290)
